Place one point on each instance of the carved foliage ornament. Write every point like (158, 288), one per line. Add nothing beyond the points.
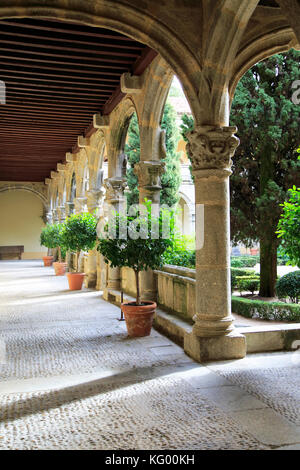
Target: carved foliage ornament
(149, 174)
(114, 188)
(212, 147)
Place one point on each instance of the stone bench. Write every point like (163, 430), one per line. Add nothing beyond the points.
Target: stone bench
(11, 250)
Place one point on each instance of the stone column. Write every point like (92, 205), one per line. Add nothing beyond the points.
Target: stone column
(149, 173)
(55, 218)
(61, 214)
(115, 200)
(213, 337)
(49, 217)
(70, 207)
(94, 202)
(69, 256)
(79, 204)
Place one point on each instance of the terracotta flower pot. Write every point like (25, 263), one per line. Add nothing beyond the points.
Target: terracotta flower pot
(139, 318)
(75, 280)
(59, 268)
(48, 260)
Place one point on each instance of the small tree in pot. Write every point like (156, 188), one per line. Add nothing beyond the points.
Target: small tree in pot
(51, 238)
(79, 234)
(137, 242)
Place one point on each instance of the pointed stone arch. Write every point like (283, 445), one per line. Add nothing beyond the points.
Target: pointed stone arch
(38, 189)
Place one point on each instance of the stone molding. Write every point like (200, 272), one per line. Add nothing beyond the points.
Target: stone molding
(212, 147)
(115, 188)
(39, 189)
(149, 173)
(95, 198)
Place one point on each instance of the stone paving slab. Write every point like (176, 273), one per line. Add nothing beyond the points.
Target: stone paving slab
(72, 379)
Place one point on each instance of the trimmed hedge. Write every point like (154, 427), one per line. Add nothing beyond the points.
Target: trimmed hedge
(248, 283)
(244, 261)
(235, 272)
(278, 311)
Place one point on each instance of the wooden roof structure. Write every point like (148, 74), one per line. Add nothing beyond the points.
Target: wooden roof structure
(57, 75)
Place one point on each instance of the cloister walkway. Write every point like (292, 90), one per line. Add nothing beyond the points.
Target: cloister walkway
(72, 379)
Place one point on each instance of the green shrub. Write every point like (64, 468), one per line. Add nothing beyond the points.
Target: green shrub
(235, 272)
(247, 283)
(278, 311)
(244, 261)
(289, 286)
(79, 233)
(137, 252)
(51, 237)
(181, 253)
(289, 227)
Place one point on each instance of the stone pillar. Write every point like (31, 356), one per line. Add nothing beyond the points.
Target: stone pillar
(149, 173)
(70, 207)
(49, 217)
(79, 204)
(61, 214)
(55, 218)
(69, 256)
(213, 336)
(94, 202)
(115, 200)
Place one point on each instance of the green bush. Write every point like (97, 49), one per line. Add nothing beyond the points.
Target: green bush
(79, 233)
(181, 253)
(127, 241)
(247, 283)
(51, 237)
(244, 261)
(289, 286)
(289, 227)
(235, 272)
(278, 311)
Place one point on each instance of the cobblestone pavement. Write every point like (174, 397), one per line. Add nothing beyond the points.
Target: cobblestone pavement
(70, 378)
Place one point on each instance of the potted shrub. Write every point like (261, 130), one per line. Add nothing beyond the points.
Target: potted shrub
(142, 253)
(79, 234)
(47, 241)
(60, 265)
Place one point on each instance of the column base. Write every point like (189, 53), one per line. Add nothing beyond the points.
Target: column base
(217, 348)
(90, 281)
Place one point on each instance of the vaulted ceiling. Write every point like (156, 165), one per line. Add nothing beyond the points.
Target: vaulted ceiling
(57, 76)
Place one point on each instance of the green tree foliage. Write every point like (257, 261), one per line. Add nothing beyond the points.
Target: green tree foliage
(186, 126)
(171, 179)
(79, 233)
(133, 244)
(265, 164)
(289, 227)
(51, 237)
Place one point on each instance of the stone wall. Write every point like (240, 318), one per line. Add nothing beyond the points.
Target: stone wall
(176, 290)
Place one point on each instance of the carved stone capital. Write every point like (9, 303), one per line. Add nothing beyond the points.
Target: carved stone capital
(95, 198)
(212, 147)
(149, 174)
(80, 203)
(70, 208)
(55, 217)
(61, 213)
(49, 217)
(115, 189)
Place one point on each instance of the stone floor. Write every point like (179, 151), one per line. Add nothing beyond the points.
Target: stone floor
(72, 379)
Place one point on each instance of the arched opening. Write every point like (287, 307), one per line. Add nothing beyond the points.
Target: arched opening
(73, 187)
(21, 214)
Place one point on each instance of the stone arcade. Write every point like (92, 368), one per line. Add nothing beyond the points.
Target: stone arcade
(209, 45)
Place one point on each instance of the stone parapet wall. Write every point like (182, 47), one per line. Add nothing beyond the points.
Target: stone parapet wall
(176, 290)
